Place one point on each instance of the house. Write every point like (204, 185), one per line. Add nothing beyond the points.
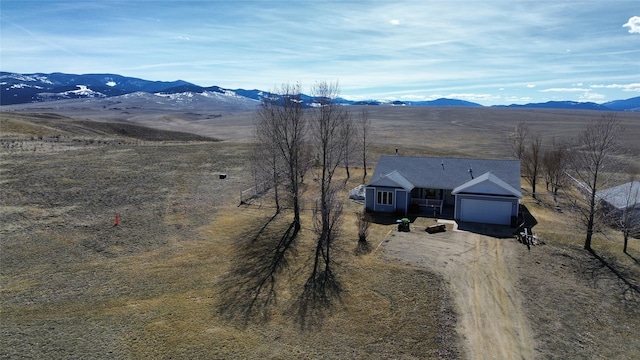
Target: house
(622, 199)
(479, 190)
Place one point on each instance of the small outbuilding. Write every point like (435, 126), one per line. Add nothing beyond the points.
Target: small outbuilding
(479, 190)
(622, 200)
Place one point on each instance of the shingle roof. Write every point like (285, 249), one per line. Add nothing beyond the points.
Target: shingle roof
(625, 196)
(446, 173)
(488, 178)
(393, 179)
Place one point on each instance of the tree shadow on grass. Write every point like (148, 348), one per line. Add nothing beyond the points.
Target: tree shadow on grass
(248, 290)
(317, 299)
(630, 287)
(633, 258)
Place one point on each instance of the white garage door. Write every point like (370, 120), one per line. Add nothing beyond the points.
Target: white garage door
(485, 211)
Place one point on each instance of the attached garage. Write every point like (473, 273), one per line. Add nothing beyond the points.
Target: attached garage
(486, 199)
(490, 211)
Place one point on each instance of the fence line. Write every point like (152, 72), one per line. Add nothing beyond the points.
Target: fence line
(582, 187)
(256, 191)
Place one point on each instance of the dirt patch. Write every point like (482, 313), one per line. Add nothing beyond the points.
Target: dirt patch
(491, 320)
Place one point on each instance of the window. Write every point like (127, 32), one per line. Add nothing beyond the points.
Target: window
(385, 198)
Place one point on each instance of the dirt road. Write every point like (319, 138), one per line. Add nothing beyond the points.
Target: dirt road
(491, 320)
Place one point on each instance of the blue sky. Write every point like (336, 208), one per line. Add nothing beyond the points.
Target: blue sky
(489, 52)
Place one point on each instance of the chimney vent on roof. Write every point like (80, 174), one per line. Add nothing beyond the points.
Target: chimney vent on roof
(470, 171)
(442, 163)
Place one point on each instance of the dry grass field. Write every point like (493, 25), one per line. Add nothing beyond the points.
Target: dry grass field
(157, 285)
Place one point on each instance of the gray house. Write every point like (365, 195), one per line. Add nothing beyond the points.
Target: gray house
(479, 190)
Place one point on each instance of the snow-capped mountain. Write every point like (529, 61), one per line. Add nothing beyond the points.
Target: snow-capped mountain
(34, 88)
(26, 88)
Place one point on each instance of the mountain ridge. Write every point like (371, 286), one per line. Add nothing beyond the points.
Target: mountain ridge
(16, 88)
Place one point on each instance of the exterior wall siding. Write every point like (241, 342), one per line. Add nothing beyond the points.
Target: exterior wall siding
(401, 200)
(369, 199)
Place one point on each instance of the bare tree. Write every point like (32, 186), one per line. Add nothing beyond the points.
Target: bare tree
(328, 136)
(281, 128)
(364, 127)
(532, 163)
(349, 129)
(519, 144)
(268, 166)
(628, 218)
(595, 147)
(554, 164)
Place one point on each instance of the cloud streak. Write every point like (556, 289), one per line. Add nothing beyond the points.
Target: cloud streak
(493, 52)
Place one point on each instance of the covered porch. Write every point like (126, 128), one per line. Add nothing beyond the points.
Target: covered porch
(430, 200)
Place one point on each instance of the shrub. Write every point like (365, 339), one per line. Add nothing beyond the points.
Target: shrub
(363, 221)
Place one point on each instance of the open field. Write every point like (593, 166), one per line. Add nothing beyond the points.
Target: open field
(420, 130)
(73, 285)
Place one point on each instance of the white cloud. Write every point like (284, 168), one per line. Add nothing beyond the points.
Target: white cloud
(412, 97)
(517, 99)
(633, 24)
(564, 90)
(624, 87)
(591, 96)
(427, 50)
(473, 97)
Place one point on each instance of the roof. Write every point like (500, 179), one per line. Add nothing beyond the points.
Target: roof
(625, 196)
(393, 179)
(446, 173)
(487, 183)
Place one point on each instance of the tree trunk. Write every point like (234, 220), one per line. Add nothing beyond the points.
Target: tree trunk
(590, 221)
(533, 188)
(346, 166)
(587, 241)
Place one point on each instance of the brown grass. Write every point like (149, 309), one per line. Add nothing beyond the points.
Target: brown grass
(73, 285)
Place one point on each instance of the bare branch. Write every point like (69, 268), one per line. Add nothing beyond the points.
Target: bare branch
(595, 147)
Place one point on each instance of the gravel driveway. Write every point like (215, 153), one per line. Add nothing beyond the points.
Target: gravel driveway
(491, 320)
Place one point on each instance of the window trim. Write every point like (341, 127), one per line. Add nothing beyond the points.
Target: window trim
(385, 197)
